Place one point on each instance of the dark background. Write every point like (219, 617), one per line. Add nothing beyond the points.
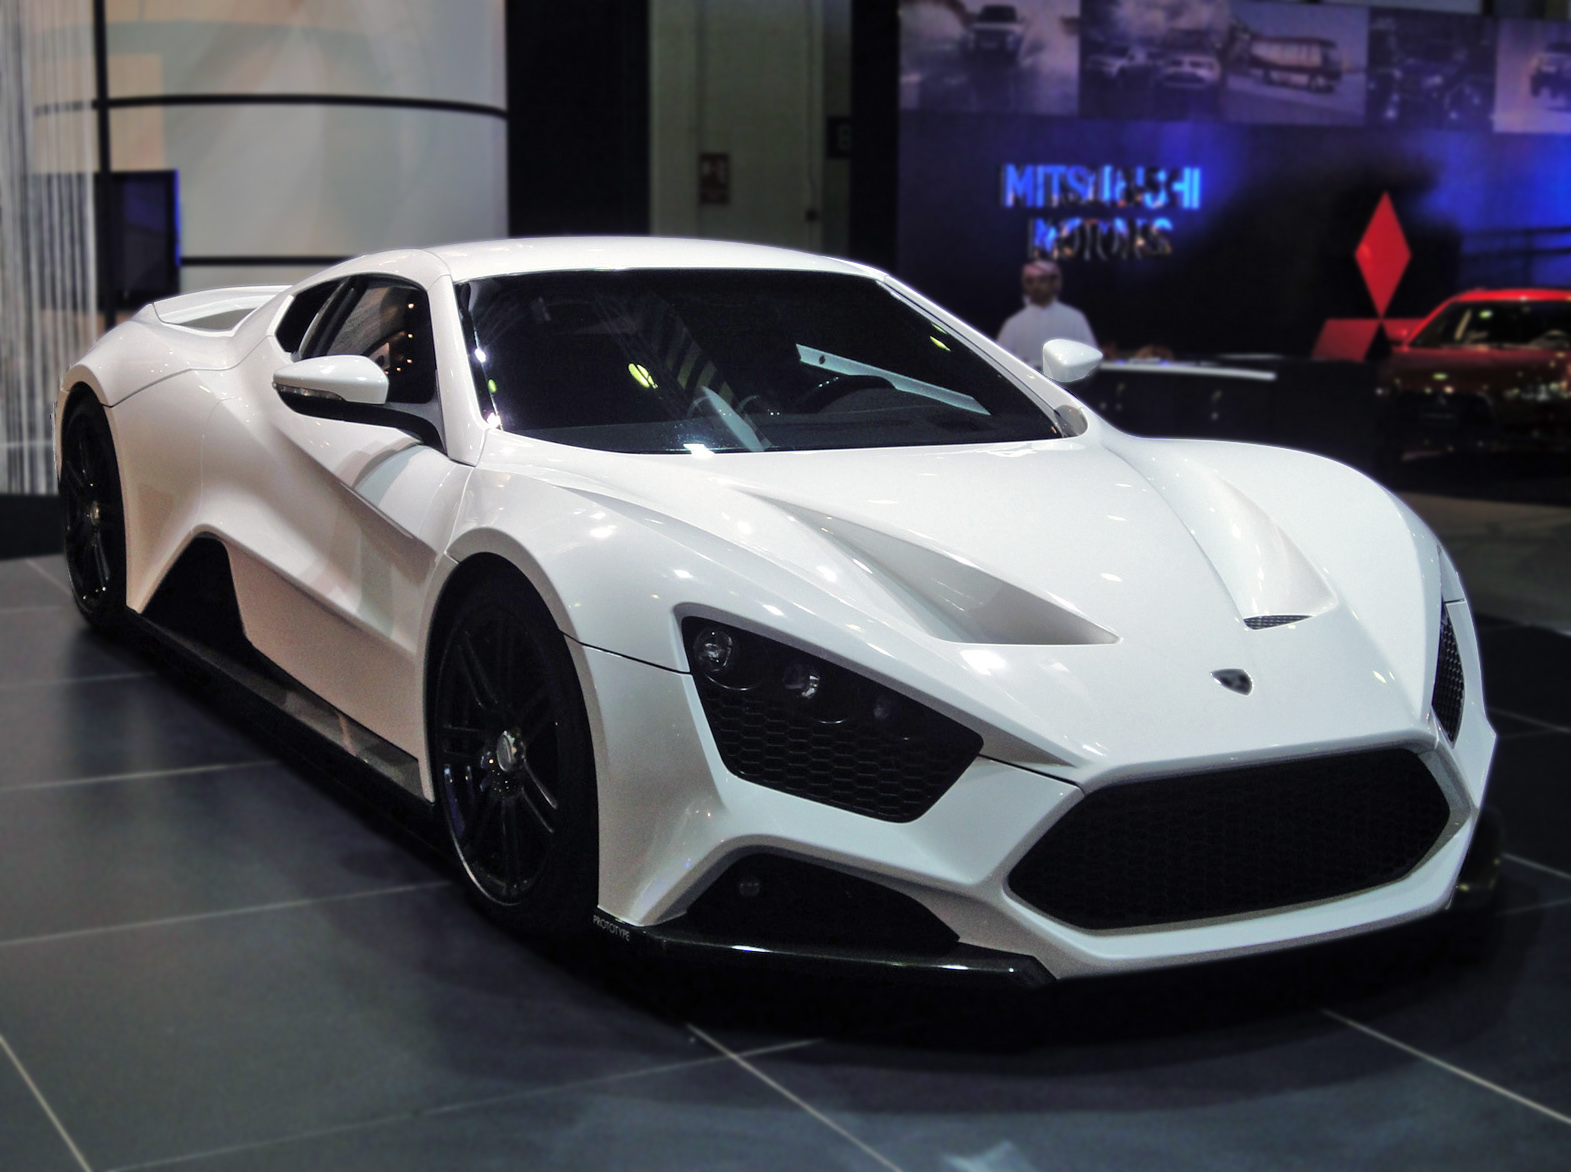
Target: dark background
(1270, 254)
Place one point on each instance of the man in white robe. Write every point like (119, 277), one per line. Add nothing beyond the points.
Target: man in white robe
(1044, 317)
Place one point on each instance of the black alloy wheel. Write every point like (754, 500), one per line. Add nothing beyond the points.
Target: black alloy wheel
(94, 515)
(512, 762)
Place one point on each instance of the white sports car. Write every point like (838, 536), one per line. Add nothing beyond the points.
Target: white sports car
(743, 602)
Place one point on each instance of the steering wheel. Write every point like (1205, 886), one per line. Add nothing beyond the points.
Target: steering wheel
(838, 386)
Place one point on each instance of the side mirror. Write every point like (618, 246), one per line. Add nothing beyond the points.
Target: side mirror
(352, 378)
(1068, 362)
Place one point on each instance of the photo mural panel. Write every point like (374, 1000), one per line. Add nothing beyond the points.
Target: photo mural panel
(1431, 70)
(1153, 58)
(1236, 225)
(1022, 57)
(1291, 64)
(1533, 77)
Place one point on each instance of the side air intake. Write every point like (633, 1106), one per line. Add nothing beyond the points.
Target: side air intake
(1449, 688)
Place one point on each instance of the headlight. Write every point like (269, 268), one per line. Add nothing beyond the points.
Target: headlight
(791, 721)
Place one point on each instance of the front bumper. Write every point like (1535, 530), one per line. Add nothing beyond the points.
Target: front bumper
(673, 819)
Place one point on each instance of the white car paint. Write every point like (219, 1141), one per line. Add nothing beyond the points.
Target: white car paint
(1068, 599)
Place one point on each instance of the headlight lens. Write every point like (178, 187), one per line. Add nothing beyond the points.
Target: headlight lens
(788, 720)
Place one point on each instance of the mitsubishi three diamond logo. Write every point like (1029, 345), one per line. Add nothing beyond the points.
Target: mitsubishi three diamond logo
(1382, 257)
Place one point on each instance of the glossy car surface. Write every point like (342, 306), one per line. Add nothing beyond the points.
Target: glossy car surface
(743, 602)
(1486, 371)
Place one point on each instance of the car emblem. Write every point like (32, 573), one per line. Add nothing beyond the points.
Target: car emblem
(1234, 680)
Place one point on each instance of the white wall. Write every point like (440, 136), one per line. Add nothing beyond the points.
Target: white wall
(754, 80)
(319, 180)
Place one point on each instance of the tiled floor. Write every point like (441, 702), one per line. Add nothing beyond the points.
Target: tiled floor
(213, 959)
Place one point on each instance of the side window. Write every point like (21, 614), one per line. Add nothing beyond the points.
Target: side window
(390, 324)
(297, 319)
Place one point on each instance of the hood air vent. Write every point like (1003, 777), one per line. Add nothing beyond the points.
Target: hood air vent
(1261, 621)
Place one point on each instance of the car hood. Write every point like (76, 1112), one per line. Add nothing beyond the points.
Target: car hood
(1082, 597)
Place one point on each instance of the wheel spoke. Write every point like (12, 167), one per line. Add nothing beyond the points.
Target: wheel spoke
(101, 559)
(537, 719)
(72, 476)
(481, 686)
(459, 740)
(512, 848)
(487, 802)
(537, 784)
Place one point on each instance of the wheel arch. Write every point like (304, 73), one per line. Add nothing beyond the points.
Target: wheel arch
(479, 558)
(79, 384)
(467, 575)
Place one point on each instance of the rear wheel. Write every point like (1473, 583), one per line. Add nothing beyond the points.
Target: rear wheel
(511, 760)
(94, 515)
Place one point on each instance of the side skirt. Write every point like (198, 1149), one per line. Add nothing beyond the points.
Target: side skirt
(195, 615)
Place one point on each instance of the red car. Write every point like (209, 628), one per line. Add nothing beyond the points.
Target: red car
(1487, 371)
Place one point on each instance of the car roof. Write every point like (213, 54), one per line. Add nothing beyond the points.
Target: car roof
(491, 258)
(1514, 295)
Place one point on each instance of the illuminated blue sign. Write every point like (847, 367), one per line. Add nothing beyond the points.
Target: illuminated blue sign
(1109, 190)
(1054, 185)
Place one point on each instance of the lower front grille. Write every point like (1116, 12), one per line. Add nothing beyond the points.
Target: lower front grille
(1236, 841)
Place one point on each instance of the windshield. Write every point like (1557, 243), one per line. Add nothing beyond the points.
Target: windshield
(1539, 325)
(719, 360)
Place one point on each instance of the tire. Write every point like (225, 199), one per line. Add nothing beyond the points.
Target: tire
(93, 511)
(512, 762)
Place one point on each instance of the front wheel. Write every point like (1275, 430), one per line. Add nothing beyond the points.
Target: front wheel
(94, 515)
(511, 760)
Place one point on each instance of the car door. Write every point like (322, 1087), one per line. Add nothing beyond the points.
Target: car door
(335, 526)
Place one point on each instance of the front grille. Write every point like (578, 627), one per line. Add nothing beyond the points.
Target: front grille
(1449, 688)
(895, 775)
(1241, 840)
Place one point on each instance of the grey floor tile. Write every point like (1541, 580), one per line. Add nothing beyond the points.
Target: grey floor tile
(1530, 784)
(27, 1139)
(1509, 726)
(708, 1116)
(1295, 1094)
(1527, 671)
(1524, 888)
(200, 1035)
(94, 728)
(43, 646)
(85, 856)
(30, 582)
(1506, 1019)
